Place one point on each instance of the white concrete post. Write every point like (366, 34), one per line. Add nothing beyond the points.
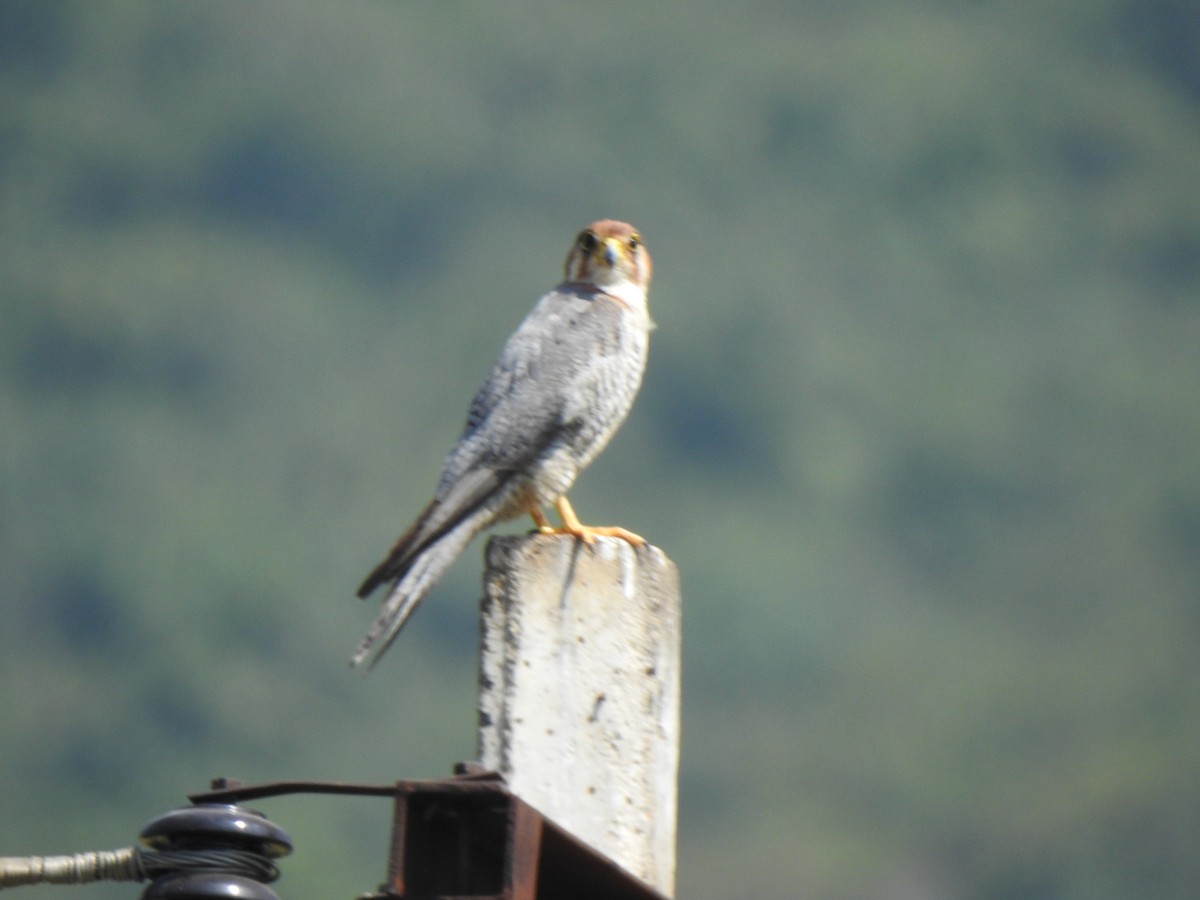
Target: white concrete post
(579, 691)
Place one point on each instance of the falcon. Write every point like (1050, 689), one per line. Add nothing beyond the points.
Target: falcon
(563, 384)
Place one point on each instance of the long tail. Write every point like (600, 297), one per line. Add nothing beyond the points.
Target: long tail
(410, 589)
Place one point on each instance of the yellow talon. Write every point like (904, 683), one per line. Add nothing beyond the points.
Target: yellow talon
(541, 522)
(572, 526)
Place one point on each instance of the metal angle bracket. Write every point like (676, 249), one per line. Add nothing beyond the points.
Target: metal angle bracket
(470, 838)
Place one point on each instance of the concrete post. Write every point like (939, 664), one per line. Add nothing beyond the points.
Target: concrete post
(579, 691)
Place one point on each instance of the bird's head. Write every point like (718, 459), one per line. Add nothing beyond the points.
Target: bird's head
(611, 256)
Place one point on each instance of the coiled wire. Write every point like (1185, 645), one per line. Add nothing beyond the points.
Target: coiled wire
(132, 864)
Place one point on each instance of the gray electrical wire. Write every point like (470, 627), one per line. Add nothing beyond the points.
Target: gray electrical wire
(131, 864)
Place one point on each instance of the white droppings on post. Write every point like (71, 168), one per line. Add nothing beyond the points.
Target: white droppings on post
(579, 691)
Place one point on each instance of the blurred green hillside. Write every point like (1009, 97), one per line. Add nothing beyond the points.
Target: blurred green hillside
(921, 425)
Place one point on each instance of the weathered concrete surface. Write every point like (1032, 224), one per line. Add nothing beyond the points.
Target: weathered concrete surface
(579, 691)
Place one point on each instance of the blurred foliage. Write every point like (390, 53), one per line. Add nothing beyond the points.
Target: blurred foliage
(920, 426)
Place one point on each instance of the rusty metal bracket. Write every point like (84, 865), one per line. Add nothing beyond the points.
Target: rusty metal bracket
(468, 838)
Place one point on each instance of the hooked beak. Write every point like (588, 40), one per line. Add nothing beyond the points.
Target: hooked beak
(610, 251)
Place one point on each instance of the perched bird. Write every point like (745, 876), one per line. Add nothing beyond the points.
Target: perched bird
(563, 384)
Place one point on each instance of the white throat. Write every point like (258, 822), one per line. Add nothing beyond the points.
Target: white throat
(630, 294)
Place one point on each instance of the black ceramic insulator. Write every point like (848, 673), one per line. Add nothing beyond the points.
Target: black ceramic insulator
(216, 825)
(205, 886)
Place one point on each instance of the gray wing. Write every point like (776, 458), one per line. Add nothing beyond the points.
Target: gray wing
(544, 385)
(539, 394)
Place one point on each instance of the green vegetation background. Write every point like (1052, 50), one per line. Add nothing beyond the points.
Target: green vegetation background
(921, 425)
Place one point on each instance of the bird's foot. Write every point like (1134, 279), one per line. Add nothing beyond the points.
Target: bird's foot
(586, 533)
(589, 533)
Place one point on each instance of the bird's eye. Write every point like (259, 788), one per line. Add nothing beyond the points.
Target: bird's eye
(634, 241)
(587, 241)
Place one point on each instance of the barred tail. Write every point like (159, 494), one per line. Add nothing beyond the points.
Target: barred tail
(419, 578)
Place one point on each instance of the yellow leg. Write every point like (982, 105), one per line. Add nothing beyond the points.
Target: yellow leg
(542, 523)
(587, 533)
